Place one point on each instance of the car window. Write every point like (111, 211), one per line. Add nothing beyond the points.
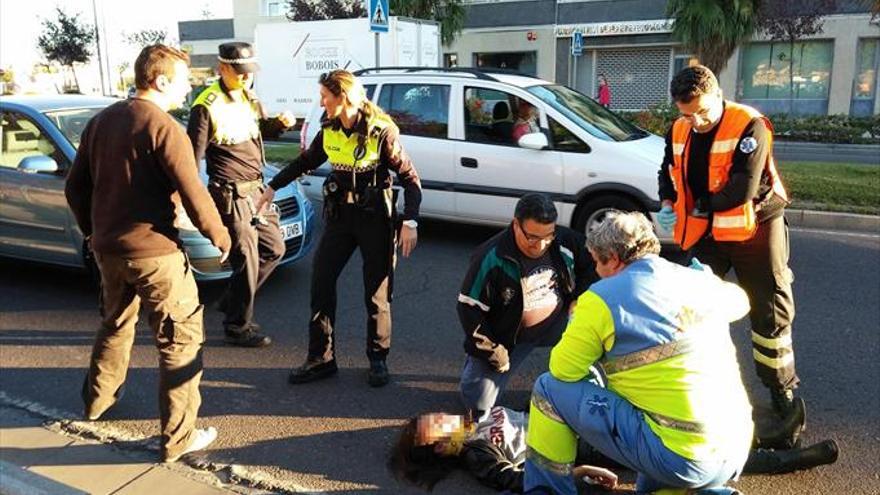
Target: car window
(370, 89)
(72, 123)
(20, 138)
(587, 114)
(497, 117)
(417, 109)
(565, 140)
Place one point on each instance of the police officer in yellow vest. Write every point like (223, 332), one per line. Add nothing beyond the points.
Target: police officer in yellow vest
(723, 200)
(362, 144)
(225, 127)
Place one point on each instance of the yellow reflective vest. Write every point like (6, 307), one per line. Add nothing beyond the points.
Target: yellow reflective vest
(232, 121)
(356, 152)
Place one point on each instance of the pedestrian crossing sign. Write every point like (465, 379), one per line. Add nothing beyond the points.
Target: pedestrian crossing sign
(379, 16)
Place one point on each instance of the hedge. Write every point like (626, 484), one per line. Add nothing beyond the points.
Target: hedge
(841, 129)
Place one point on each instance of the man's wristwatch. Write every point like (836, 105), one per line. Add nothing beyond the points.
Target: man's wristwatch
(411, 224)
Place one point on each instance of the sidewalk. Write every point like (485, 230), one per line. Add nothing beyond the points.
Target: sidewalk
(38, 458)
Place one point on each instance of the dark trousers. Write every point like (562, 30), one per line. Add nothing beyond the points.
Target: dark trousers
(165, 287)
(256, 251)
(370, 230)
(761, 268)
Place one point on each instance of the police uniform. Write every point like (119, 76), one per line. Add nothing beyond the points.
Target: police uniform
(360, 212)
(226, 131)
(729, 204)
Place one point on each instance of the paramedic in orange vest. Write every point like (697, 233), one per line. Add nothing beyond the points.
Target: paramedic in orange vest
(722, 199)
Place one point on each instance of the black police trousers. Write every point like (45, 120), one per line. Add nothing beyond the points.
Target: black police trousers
(256, 251)
(761, 268)
(348, 228)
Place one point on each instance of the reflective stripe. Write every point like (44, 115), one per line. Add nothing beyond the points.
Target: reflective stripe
(554, 440)
(783, 342)
(359, 167)
(472, 302)
(544, 405)
(729, 222)
(677, 424)
(724, 146)
(647, 356)
(560, 468)
(777, 363)
(677, 148)
(564, 250)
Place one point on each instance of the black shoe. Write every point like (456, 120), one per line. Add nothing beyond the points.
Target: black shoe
(248, 338)
(785, 435)
(311, 371)
(763, 461)
(378, 375)
(782, 400)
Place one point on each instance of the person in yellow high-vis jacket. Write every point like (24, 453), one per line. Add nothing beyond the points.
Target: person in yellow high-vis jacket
(723, 200)
(675, 409)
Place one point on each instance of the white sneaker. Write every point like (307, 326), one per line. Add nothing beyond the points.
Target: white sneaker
(201, 439)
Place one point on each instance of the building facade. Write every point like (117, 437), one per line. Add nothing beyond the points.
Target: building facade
(630, 42)
(200, 40)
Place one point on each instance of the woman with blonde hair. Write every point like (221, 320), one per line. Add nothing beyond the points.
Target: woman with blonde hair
(362, 144)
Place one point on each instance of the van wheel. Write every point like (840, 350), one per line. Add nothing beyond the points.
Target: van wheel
(591, 213)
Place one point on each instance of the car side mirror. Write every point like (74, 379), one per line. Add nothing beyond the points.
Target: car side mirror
(38, 164)
(534, 141)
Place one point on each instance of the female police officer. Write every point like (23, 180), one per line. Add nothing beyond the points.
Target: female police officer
(361, 142)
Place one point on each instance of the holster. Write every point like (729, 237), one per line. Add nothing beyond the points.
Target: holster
(333, 198)
(223, 196)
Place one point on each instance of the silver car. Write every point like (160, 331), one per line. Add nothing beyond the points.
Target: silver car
(38, 140)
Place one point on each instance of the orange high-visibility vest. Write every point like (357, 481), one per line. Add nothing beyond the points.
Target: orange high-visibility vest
(738, 223)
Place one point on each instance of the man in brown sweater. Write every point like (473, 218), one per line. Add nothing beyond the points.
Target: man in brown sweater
(134, 168)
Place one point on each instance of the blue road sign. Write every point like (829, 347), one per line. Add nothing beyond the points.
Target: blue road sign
(577, 43)
(379, 16)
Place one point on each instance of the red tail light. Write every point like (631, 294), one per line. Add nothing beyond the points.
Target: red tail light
(302, 136)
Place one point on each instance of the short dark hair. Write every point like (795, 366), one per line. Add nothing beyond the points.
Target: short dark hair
(154, 61)
(535, 206)
(420, 465)
(692, 82)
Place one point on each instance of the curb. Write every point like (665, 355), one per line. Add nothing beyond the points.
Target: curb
(20, 481)
(852, 222)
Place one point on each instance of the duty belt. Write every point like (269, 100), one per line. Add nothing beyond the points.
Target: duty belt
(241, 188)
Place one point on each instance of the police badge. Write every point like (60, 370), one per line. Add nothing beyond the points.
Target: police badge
(748, 145)
(507, 295)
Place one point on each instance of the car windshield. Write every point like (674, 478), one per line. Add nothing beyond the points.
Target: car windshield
(587, 114)
(72, 122)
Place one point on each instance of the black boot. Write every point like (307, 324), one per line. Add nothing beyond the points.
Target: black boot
(247, 338)
(782, 400)
(763, 461)
(312, 370)
(785, 434)
(378, 375)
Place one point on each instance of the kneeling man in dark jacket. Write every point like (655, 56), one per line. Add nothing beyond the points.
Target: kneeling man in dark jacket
(521, 286)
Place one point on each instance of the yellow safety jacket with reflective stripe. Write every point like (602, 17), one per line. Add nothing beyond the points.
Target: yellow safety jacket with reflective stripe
(356, 152)
(738, 223)
(232, 121)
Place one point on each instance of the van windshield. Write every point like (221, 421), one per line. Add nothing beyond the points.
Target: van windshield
(587, 114)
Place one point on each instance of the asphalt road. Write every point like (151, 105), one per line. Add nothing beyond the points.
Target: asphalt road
(334, 435)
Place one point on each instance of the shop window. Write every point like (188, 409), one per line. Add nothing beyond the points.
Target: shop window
(417, 109)
(865, 83)
(777, 78)
(450, 60)
(525, 62)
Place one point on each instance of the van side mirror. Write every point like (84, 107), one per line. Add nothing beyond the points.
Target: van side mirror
(534, 141)
(38, 164)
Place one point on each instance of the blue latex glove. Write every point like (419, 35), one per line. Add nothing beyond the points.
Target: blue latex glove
(666, 218)
(696, 265)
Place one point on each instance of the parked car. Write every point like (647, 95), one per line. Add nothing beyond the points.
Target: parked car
(38, 140)
(457, 125)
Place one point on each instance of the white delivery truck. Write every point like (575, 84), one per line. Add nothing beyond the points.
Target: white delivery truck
(294, 54)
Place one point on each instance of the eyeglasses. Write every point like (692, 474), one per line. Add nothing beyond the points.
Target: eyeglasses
(534, 238)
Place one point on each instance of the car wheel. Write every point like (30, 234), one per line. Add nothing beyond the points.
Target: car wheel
(591, 212)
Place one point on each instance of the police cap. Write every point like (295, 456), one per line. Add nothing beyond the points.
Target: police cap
(239, 55)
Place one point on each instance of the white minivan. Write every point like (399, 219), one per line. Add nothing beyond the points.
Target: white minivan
(458, 127)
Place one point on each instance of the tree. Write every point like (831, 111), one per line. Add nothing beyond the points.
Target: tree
(790, 22)
(450, 14)
(712, 29)
(320, 10)
(66, 41)
(146, 37)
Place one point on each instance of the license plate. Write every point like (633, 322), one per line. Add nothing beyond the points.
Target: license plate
(291, 230)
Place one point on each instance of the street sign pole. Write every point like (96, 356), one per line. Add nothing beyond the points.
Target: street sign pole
(577, 49)
(378, 64)
(378, 11)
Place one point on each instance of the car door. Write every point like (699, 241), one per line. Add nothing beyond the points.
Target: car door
(421, 111)
(491, 170)
(34, 217)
